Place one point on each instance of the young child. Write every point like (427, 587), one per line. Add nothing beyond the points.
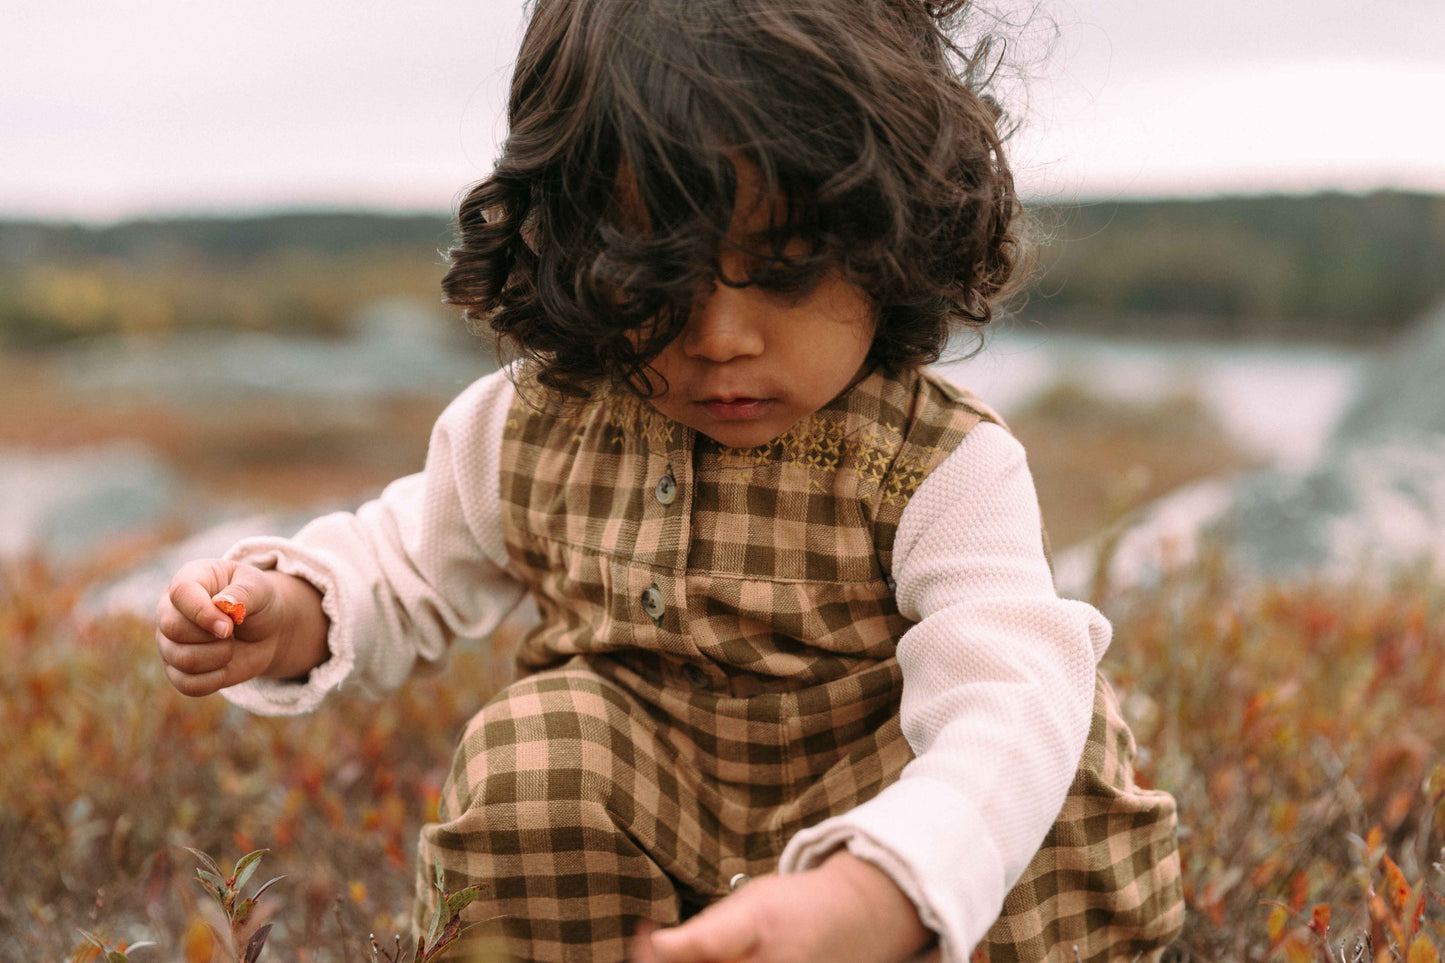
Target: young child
(797, 622)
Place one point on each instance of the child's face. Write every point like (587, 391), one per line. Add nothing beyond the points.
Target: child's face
(752, 363)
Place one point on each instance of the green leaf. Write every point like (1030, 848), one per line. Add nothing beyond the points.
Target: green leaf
(458, 900)
(243, 911)
(212, 878)
(439, 920)
(215, 892)
(116, 956)
(448, 936)
(206, 861)
(248, 865)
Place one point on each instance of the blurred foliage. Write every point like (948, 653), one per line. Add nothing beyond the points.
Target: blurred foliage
(1327, 266)
(1094, 459)
(1352, 268)
(110, 774)
(1299, 727)
(294, 274)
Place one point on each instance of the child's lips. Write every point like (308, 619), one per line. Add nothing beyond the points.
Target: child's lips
(734, 409)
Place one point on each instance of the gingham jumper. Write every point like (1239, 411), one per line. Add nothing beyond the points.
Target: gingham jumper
(714, 669)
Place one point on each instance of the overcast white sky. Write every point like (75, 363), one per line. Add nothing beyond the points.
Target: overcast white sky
(119, 108)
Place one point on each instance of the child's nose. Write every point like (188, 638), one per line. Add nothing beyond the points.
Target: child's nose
(723, 327)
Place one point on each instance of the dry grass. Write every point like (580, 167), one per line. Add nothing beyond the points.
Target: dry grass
(110, 773)
(271, 451)
(1299, 727)
(1093, 458)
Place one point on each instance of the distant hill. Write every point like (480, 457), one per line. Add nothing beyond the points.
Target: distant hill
(1337, 267)
(1332, 266)
(341, 232)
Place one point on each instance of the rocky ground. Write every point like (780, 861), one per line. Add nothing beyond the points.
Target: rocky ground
(1371, 501)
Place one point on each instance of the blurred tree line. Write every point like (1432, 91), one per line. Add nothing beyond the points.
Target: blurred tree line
(302, 273)
(1339, 267)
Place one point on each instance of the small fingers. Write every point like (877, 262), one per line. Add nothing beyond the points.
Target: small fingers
(193, 602)
(642, 951)
(195, 657)
(171, 624)
(247, 596)
(724, 933)
(201, 669)
(202, 684)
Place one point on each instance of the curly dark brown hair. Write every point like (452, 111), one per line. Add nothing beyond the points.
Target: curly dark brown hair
(864, 116)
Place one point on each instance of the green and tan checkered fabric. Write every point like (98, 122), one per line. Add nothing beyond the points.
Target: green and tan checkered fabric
(714, 670)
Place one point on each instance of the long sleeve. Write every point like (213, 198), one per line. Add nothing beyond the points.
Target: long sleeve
(406, 574)
(997, 696)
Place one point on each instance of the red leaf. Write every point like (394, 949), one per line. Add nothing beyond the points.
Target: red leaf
(1299, 891)
(257, 941)
(1395, 886)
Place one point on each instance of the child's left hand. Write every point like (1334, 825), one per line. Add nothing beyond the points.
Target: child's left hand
(846, 910)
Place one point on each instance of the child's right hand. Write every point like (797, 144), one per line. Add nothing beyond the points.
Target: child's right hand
(202, 649)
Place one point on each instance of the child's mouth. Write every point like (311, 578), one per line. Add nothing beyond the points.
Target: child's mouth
(734, 409)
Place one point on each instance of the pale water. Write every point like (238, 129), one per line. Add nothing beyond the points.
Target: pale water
(1279, 403)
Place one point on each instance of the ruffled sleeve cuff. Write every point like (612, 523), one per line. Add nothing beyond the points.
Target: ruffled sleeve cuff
(907, 834)
(285, 697)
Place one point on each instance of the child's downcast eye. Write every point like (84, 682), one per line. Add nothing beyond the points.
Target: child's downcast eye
(785, 278)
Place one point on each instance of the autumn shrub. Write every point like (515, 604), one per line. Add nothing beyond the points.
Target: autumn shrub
(1299, 726)
(110, 774)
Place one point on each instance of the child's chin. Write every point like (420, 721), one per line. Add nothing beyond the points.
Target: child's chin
(754, 429)
(746, 435)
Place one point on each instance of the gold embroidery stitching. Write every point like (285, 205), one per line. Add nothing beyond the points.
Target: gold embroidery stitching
(908, 474)
(872, 457)
(821, 446)
(627, 412)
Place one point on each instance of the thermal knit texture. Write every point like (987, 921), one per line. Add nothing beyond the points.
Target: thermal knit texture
(998, 671)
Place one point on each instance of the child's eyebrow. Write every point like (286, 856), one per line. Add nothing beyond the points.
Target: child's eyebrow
(780, 249)
(771, 236)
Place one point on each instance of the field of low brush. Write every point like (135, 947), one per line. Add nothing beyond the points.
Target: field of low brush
(1300, 727)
